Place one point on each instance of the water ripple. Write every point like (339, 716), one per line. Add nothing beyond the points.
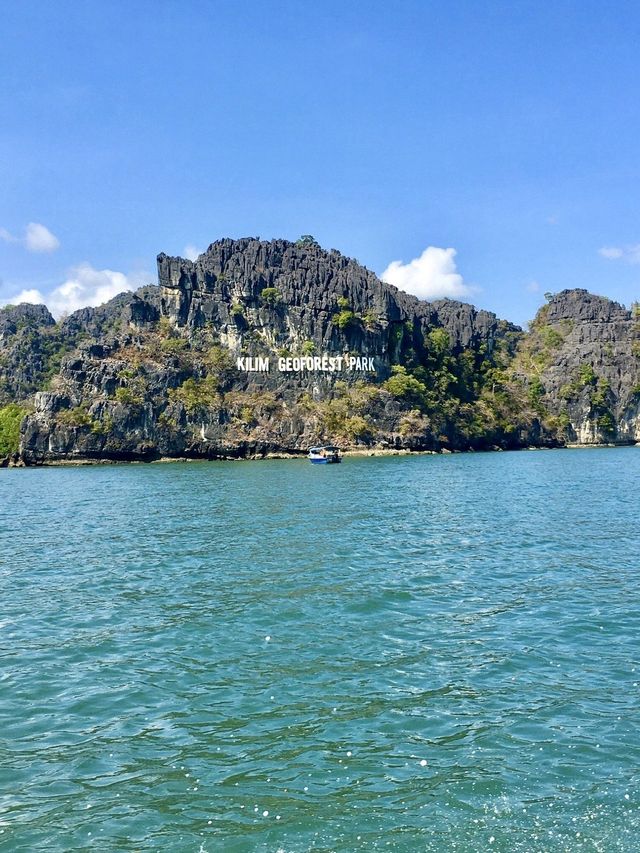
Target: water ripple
(430, 653)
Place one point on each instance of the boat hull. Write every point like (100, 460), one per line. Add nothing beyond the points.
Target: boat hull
(327, 455)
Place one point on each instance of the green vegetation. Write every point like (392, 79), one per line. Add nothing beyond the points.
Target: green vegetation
(247, 409)
(600, 408)
(538, 350)
(370, 320)
(536, 390)
(599, 397)
(271, 296)
(586, 376)
(127, 396)
(11, 417)
(167, 421)
(606, 423)
(197, 395)
(76, 417)
(414, 424)
(133, 391)
(397, 332)
(347, 417)
(104, 426)
(551, 338)
(406, 387)
(598, 392)
(173, 346)
(200, 394)
(345, 319)
(307, 240)
(165, 327)
(31, 359)
(219, 364)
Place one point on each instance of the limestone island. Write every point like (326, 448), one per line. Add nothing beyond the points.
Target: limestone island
(259, 348)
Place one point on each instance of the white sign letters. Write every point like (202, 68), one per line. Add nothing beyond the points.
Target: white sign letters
(299, 364)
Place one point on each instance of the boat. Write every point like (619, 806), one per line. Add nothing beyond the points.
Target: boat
(327, 455)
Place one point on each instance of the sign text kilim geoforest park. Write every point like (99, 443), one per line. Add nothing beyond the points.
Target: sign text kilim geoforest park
(311, 363)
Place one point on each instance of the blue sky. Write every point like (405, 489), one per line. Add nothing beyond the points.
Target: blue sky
(508, 132)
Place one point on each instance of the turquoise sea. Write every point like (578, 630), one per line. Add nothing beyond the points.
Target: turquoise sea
(431, 653)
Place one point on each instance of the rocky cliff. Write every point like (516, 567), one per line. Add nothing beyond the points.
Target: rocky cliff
(259, 347)
(582, 358)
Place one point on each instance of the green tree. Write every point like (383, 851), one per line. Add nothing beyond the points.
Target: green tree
(198, 396)
(127, 396)
(271, 296)
(10, 419)
(307, 240)
(345, 319)
(406, 387)
(438, 341)
(586, 375)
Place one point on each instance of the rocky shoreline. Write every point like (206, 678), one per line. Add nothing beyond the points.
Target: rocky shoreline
(18, 462)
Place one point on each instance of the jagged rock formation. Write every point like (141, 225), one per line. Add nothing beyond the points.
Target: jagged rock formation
(29, 341)
(233, 274)
(155, 373)
(584, 351)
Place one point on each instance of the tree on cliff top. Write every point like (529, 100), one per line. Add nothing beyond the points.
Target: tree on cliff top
(307, 240)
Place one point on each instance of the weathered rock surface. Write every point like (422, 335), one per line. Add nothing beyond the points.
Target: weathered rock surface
(154, 374)
(224, 287)
(28, 341)
(592, 375)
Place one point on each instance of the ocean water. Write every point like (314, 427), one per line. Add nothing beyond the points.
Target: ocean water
(433, 653)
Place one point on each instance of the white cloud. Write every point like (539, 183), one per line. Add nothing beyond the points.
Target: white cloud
(32, 296)
(431, 276)
(611, 252)
(7, 236)
(88, 286)
(191, 252)
(533, 287)
(37, 238)
(630, 254)
(84, 286)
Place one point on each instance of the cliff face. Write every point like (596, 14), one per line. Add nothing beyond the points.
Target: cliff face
(28, 340)
(225, 287)
(156, 373)
(586, 354)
